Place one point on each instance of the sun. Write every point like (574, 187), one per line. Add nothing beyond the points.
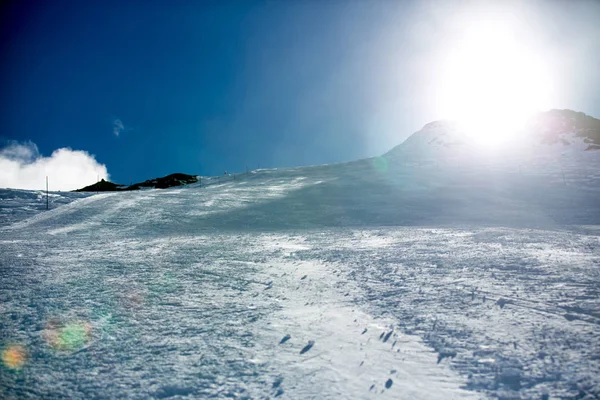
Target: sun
(491, 82)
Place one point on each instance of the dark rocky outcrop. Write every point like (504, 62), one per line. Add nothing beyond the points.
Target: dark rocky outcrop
(177, 179)
(102, 186)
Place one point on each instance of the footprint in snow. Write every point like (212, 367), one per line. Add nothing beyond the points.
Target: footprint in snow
(307, 347)
(285, 339)
(277, 382)
(502, 302)
(387, 336)
(570, 317)
(388, 383)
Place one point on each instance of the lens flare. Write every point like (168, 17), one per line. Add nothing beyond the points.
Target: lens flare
(380, 164)
(68, 336)
(14, 356)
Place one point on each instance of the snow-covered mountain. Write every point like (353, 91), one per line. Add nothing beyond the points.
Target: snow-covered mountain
(402, 276)
(568, 128)
(551, 132)
(436, 177)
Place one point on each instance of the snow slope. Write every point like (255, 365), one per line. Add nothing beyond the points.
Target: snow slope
(16, 204)
(392, 277)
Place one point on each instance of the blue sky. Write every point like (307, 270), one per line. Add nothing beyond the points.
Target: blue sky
(155, 87)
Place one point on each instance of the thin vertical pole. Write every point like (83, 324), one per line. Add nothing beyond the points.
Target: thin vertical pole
(47, 206)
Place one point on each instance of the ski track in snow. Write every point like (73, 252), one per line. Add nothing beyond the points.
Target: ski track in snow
(200, 316)
(206, 293)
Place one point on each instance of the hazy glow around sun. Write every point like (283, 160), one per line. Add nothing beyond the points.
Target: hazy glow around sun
(491, 81)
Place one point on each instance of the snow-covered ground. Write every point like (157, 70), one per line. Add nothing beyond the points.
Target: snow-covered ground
(17, 204)
(381, 278)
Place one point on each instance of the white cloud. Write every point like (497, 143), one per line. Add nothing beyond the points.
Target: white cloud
(22, 167)
(118, 126)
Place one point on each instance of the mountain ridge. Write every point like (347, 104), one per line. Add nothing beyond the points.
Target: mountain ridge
(554, 127)
(176, 179)
(554, 130)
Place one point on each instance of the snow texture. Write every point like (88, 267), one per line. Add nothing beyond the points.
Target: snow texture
(393, 277)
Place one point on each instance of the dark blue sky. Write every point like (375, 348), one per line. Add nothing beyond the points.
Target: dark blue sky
(204, 87)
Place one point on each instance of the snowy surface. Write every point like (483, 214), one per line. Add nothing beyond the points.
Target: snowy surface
(381, 278)
(18, 204)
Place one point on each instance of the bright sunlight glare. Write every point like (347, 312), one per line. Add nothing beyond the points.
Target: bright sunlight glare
(492, 82)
